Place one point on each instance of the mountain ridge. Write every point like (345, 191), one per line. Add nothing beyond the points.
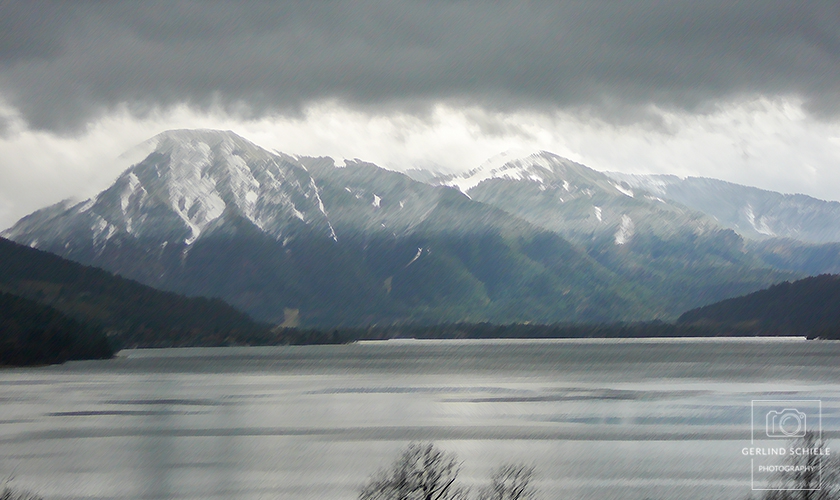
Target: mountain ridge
(753, 212)
(539, 239)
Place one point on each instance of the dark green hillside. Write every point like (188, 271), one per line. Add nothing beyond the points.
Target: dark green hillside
(436, 256)
(421, 278)
(810, 306)
(33, 334)
(683, 258)
(686, 269)
(132, 313)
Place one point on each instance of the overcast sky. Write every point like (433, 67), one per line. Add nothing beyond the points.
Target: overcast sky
(743, 91)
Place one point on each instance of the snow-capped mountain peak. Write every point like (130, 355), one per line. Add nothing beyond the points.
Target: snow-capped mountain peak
(192, 182)
(540, 166)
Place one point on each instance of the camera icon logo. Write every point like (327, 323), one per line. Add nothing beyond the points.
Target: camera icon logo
(788, 423)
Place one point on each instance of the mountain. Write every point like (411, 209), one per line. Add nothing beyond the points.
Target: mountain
(200, 201)
(804, 307)
(751, 212)
(192, 185)
(798, 257)
(418, 237)
(302, 241)
(573, 200)
(682, 255)
(133, 314)
(34, 334)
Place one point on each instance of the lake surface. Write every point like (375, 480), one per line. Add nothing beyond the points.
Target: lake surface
(599, 419)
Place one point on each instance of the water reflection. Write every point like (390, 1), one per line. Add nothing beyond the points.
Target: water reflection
(600, 420)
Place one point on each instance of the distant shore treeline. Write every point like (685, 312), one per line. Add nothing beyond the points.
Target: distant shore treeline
(653, 329)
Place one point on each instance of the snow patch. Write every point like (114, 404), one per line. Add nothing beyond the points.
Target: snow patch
(419, 252)
(87, 205)
(625, 230)
(195, 232)
(509, 166)
(759, 224)
(125, 196)
(321, 207)
(99, 227)
(653, 183)
(102, 232)
(625, 191)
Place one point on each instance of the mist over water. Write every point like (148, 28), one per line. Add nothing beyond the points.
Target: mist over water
(599, 419)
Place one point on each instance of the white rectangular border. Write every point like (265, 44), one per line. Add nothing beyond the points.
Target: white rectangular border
(752, 440)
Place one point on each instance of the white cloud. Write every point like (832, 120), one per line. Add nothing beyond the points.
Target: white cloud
(767, 143)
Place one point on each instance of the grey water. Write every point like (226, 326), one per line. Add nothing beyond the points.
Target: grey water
(631, 419)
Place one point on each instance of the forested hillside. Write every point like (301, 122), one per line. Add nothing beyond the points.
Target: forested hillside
(32, 333)
(131, 313)
(805, 307)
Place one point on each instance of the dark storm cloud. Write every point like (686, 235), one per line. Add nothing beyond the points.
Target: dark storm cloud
(63, 63)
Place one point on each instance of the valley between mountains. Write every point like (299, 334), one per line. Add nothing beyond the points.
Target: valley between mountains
(312, 242)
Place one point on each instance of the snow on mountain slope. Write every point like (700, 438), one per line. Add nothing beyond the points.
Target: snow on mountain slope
(364, 199)
(540, 167)
(192, 182)
(752, 212)
(572, 199)
(209, 213)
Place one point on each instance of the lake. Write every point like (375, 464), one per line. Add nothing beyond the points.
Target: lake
(600, 419)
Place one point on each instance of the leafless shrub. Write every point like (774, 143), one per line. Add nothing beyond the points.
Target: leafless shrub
(8, 493)
(422, 472)
(510, 482)
(817, 476)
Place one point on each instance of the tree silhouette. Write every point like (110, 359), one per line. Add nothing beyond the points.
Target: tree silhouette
(422, 472)
(7, 493)
(816, 476)
(510, 482)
